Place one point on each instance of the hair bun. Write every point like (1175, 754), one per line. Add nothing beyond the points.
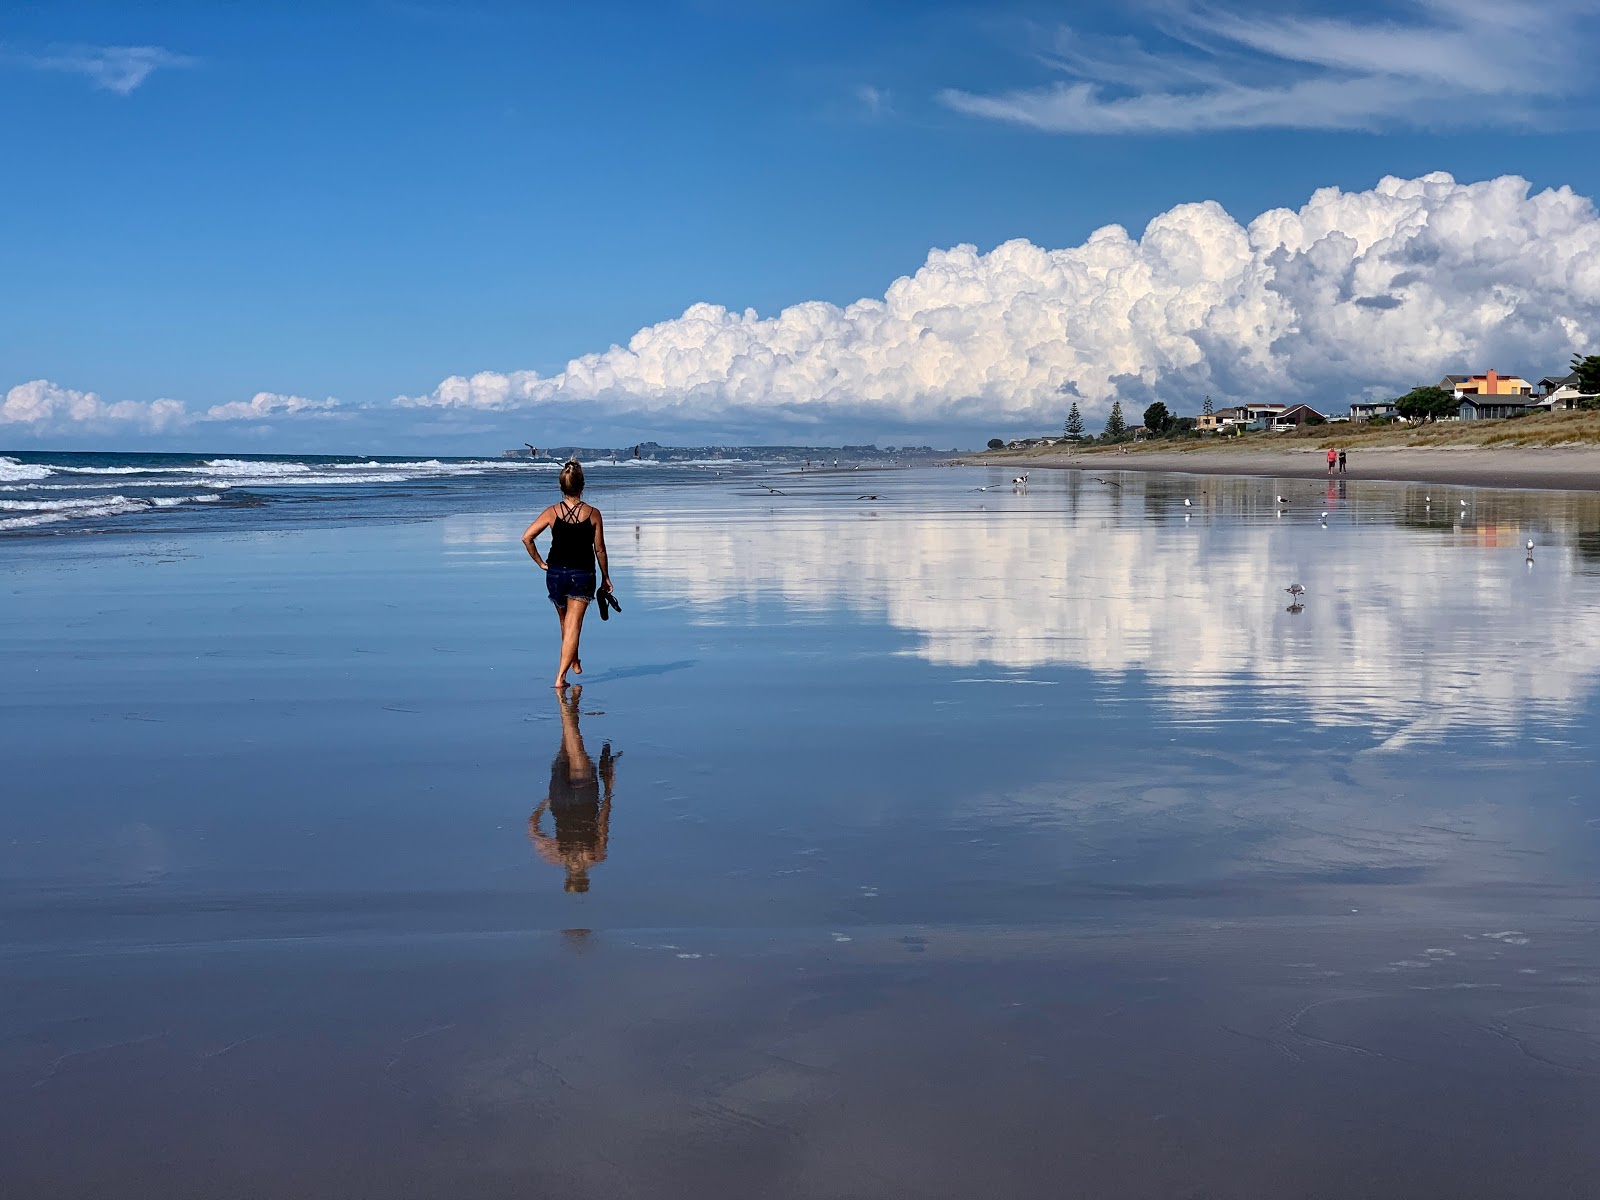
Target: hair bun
(572, 477)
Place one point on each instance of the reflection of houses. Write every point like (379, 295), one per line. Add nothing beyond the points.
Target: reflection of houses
(1365, 410)
(1490, 395)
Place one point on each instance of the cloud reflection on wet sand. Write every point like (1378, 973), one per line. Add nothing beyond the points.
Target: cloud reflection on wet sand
(1411, 630)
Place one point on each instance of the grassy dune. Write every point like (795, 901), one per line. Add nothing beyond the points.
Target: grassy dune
(1555, 429)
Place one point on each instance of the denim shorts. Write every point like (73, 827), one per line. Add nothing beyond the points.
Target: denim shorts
(564, 582)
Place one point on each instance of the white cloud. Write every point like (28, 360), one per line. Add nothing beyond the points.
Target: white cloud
(1452, 62)
(268, 404)
(874, 101)
(1353, 293)
(118, 69)
(43, 406)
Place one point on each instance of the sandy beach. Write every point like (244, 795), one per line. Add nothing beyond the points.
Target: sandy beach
(941, 844)
(1569, 468)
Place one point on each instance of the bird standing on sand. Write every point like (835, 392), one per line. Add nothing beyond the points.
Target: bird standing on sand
(1296, 590)
(1188, 503)
(1281, 500)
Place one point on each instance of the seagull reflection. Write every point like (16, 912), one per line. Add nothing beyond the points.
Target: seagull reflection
(578, 810)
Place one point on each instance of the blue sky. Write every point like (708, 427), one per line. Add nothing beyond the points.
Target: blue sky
(208, 202)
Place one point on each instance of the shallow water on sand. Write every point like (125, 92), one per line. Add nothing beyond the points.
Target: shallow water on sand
(906, 839)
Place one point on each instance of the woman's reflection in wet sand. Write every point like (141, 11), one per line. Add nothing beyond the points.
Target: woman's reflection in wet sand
(580, 813)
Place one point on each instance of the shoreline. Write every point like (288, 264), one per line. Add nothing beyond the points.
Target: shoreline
(1558, 468)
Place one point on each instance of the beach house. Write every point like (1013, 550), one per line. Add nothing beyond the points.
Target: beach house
(1490, 395)
(1560, 393)
(1212, 422)
(1366, 410)
(1295, 416)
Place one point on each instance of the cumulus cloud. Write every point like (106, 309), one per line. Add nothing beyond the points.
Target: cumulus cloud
(1447, 62)
(268, 404)
(118, 69)
(42, 405)
(1352, 294)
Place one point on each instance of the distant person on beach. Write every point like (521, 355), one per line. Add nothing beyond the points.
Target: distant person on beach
(577, 543)
(1341, 462)
(578, 809)
(1333, 459)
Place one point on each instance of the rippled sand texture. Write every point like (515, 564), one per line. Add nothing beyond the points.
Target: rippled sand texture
(907, 839)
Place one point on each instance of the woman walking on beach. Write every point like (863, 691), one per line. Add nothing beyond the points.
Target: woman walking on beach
(577, 543)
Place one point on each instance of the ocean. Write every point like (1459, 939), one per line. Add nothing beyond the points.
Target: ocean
(45, 493)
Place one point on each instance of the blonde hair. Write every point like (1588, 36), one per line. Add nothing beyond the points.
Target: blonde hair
(572, 478)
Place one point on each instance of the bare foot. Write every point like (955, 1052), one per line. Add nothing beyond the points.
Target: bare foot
(560, 683)
(577, 666)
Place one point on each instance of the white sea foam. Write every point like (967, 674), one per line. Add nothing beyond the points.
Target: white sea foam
(108, 470)
(252, 466)
(60, 505)
(50, 512)
(11, 469)
(86, 486)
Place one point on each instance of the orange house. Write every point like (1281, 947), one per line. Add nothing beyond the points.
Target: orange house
(1490, 383)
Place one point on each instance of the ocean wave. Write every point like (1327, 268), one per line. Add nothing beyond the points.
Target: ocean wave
(50, 512)
(11, 470)
(85, 486)
(253, 466)
(106, 470)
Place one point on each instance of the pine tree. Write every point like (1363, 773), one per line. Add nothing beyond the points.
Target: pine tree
(1074, 428)
(1206, 408)
(1116, 427)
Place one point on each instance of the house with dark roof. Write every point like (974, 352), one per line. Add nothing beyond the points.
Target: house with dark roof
(1490, 395)
(1365, 410)
(1561, 393)
(1297, 415)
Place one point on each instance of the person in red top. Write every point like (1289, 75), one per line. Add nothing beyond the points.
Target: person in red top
(1333, 460)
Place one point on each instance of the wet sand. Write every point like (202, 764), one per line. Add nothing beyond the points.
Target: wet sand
(1560, 467)
(912, 871)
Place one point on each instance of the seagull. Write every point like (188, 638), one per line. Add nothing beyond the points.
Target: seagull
(985, 487)
(866, 497)
(770, 488)
(1530, 545)
(1463, 504)
(1188, 503)
(1281, 500)
(1324, 516)
(1296, 590)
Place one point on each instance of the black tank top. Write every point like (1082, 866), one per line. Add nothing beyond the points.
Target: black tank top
(571, 542)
